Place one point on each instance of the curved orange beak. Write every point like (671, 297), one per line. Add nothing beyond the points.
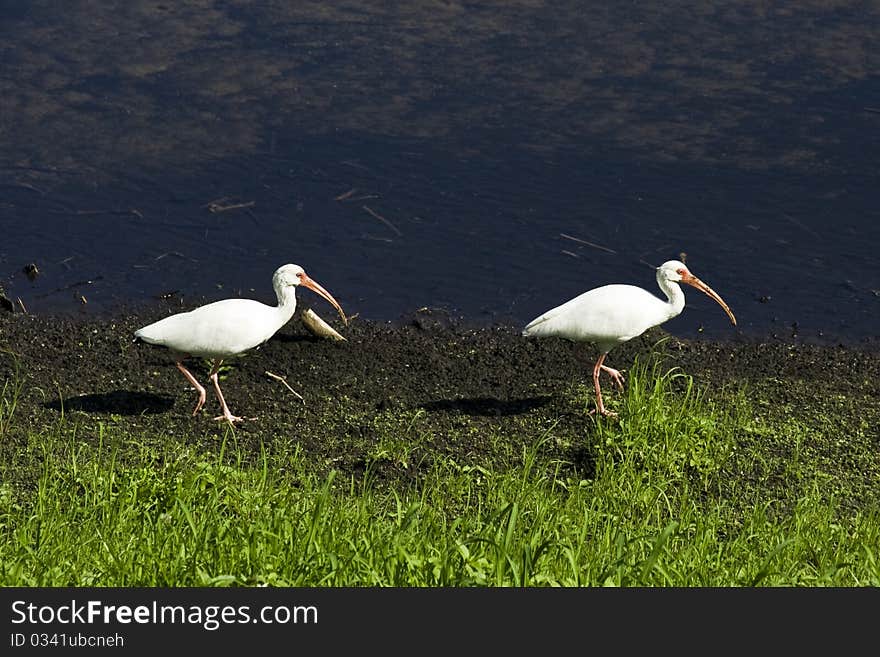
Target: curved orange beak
(315, 287)
(690, 279)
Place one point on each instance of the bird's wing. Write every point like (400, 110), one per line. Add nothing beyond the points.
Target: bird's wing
(218, 329)
(606, 315)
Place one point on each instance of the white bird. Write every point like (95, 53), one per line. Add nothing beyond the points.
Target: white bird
(230, 327)
(612, 314)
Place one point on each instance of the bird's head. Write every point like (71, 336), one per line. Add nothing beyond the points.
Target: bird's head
(675, 271)
(288, 275)
(294, 275)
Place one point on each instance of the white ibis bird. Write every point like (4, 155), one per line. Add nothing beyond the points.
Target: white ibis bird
(612, 314)
(230, 327)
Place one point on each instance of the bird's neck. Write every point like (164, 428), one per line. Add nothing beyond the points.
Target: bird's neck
(286, 302)
(674, 295)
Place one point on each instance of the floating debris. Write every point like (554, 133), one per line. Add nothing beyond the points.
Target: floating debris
(31, 271)
(226, 203)
(319, 327)
(382, 219)
(585, 242)
(350, 196)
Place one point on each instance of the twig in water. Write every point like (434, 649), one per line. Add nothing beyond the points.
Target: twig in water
(349, 196)
(286, 384)
(383, 220)
(168, 253)
(346, 195)
(801, 225)
(25, 185)
(580, 241)
(220, 205)
(21, 303)
(356, 165)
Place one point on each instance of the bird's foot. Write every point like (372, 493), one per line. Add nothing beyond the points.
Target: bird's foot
(232, 419)
(615, 375)
(603, 411)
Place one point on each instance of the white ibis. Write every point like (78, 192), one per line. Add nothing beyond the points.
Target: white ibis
(230, 327)
(612, 314)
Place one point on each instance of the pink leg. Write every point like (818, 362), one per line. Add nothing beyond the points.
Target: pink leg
(599, 405)
(227, 415)
(195, 384)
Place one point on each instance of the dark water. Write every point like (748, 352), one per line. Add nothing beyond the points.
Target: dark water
(490, 158)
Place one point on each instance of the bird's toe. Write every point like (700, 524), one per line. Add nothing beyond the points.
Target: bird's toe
(232, 419)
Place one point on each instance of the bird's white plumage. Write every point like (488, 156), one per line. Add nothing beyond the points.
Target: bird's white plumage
(612, 314)
(606, 315)
(230, 327)
(220, 329)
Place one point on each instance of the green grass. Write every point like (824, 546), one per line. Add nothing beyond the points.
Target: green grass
(682, 491)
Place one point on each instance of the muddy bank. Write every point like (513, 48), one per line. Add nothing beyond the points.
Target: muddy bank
(448, 385)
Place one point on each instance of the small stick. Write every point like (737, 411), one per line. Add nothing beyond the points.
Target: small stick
(169, 253)
(346, 195)
(595, 246)
(573, 255)
(352, 163)
(801, 225)
(21, 303)
(217, 205)
(383, 220)
(30, 187)
(283, 380)
(349, 196)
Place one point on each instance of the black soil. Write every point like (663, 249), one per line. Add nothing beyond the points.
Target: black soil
(449, 387)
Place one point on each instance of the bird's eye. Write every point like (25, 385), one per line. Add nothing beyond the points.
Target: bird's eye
(681, 272)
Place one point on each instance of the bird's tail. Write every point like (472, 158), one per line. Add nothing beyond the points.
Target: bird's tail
(537, 327)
